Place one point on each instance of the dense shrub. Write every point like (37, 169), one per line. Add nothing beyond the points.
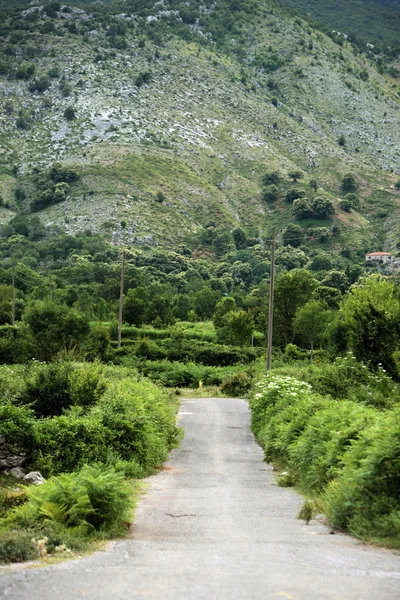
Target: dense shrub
(346, 377)
(195, 351)
(347, 453)
(67, 442)
(95, 499)
(54, 328)
(17, 546)
(364, 499)
(17, 424)
(316, 456)
(237, 386)
(51, 388)
(139, 421)
(281, 408)
(175, 374)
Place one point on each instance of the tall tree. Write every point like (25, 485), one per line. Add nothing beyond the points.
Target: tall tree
(292, 290)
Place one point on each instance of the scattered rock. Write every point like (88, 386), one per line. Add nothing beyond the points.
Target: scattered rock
(16, 472)
(35, 478)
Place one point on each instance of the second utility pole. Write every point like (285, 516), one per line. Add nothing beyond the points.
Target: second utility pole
(121, 299)
(271, 301)
(13, 299)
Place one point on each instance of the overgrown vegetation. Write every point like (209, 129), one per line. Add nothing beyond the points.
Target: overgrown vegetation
(85, 173)
(99, 427)
(342, 453)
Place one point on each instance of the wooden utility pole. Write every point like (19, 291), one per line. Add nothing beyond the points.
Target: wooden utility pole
(271, 302)
(13, 299)
(121, 299)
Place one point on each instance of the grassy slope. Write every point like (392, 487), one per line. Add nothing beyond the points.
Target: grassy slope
(202, 136)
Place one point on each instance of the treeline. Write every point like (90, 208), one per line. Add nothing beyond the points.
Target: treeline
(74, 280)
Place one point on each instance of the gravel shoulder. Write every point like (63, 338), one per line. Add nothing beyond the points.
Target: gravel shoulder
(214, 525)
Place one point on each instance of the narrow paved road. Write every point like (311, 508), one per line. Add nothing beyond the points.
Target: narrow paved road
(214, 525)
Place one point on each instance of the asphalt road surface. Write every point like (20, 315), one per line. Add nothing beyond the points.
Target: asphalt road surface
(214, 525)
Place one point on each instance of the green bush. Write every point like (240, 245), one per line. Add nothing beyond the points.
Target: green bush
(69, 441)
(281, 410)
(364, 499)
(15, 345)
(47, 388)
(204, 353)
(237, 386)
(17, 424)
(346, 455)
(316, 456)
(87, 384)
(346, 377)
(175, 374)
(52, 388)
(95, 499)
(17, 546)
(139, 421)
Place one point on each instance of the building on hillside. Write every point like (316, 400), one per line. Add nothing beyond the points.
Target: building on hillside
(383, 257)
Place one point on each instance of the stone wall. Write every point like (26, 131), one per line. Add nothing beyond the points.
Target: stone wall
(10, 455)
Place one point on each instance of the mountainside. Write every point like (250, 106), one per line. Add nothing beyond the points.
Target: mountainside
(374, 22)
(172, 113)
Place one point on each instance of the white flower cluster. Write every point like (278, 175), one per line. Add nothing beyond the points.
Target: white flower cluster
(279, 385)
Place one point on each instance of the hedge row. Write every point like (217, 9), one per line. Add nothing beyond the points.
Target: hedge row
(182, 350)
(343, 452)
(103, 413)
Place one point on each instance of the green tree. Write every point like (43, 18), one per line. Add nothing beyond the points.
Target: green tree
(223, 243)
(331, 297)
(337, 280)
(237, 328)
(310, 323)
(55, 327)
(182, 306)
(135, 306)
(345, 205)
(321, 262)
(292, 290)
(204, 302)
(239, 237)
(295, 175)
(271, 178)
(349, 183)
(353, 199)
(301, 208)
(313, 184)
(223, 307)
(291, 258)
(69, 113)
(370, 314)
(293, 194)
(293, 235)
(270, 193)
(322, 208)
(5, 304)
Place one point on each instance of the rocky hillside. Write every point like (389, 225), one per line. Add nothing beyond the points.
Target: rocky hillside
(171, 118)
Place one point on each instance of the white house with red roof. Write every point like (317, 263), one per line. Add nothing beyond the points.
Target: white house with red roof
(384, 257)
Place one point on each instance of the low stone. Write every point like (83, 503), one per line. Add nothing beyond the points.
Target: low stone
(16, 472)
(35, 478)
(12, 461)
